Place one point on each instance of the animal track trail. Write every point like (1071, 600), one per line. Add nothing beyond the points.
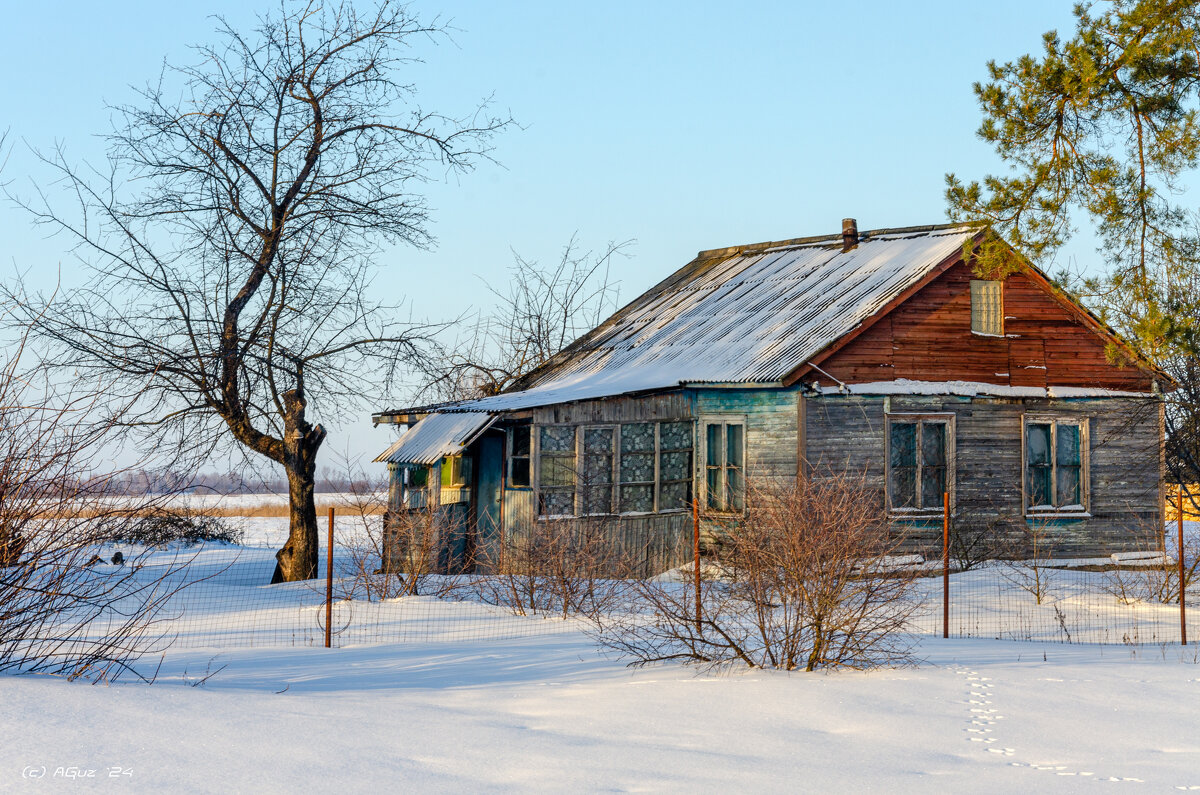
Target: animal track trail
(984, 718)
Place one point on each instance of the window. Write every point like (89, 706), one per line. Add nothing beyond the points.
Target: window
(725, 463)
(637, 467)
(415, 487)
(518, 456)
(1055, 465)
(919, 462)
(675, 466)
(987, 308)
(556, 468)
(597, 485)
(456, 472)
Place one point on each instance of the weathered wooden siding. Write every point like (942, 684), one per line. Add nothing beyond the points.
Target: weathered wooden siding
(771, 427)
(928, 338)
(847, 433)
(678, 405)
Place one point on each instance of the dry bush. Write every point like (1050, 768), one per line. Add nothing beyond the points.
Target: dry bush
(158, 526)
(562, 567)
(1028, 563)
(806, 580)
(64, 608)
(1156, 577)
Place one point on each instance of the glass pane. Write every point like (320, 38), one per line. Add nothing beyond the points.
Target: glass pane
(1067, 453)
(418, 477)
(673, 496)
(637, 437)
(520, 472)
(675, 466)
(558, 471)
(597, 469)
(556, 503)
(1039, 486)
(736, 488)
(933, 444)
(713, 438)
(598, 499)
(557, 438)
(1067, 486)
(903, 445)
(933, 486)
(902, 486)
(734, 447)
(1037, 444)
(714, 488)
(637, 467)
(597, 440)
(637, 499)
(675, 435)
(520, 440)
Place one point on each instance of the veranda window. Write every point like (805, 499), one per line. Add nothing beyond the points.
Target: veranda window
(518, 456)
(1055, 465)
(597, 484)
(637, 467)
(556, 470)
(918, 463)
(724, 465)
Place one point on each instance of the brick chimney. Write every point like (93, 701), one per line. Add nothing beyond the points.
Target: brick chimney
(849, 234)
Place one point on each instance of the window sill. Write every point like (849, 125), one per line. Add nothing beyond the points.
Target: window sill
(1058, 515)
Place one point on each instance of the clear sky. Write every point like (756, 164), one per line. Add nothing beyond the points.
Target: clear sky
(681, 125)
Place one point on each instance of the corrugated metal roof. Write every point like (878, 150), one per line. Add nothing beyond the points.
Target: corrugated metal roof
(434, 437)
(737, 316)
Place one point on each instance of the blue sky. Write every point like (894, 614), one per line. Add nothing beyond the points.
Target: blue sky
(683, 126)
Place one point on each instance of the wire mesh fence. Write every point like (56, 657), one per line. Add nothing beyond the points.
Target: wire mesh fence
(219, 596)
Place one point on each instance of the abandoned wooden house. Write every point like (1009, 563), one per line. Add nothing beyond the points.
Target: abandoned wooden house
(881, 352)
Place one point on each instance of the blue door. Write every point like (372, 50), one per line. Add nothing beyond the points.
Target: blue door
(487, 503)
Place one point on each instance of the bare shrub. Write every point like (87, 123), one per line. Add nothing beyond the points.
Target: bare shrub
(565, 567)
(1152, 574)
(158, 526)
(806, 580)
(64, 608)
(1027, 565)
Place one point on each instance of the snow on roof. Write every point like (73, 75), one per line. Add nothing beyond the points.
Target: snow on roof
(749, 315)
(904, 386)
(434, 437)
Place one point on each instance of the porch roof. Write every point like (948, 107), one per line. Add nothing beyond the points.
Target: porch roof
(435, 437)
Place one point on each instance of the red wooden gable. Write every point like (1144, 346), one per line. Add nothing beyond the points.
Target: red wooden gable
(927, 337)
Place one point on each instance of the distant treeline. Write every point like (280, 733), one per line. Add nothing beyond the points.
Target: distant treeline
(142, 481)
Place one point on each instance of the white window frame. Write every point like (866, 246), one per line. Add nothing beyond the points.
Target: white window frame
(944, 418)
(1085, 466)
(701, 460)
(978, 288)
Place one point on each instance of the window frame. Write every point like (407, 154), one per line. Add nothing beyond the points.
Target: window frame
(984, 284)
(509, 458)
(700, 461)
(1057, 511)
(578, 455)
(939, 417)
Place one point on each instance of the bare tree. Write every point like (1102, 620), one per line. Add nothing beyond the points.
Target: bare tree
(543, 310)
(232, 236)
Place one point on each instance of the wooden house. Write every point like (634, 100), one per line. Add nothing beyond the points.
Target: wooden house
(881, 352)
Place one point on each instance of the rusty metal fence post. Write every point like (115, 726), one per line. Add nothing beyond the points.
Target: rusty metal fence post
(945, 564)
(329, 586)
(696, 555)
(1182, 583)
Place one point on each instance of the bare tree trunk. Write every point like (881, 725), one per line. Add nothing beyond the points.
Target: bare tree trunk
(298, 558)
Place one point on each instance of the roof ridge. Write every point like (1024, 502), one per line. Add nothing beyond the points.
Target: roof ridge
(795, 242)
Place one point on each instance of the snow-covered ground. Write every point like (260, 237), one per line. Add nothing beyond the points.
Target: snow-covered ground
(428, 694)
(547, 712)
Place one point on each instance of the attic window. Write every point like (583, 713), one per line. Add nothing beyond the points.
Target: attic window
(987, 308)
